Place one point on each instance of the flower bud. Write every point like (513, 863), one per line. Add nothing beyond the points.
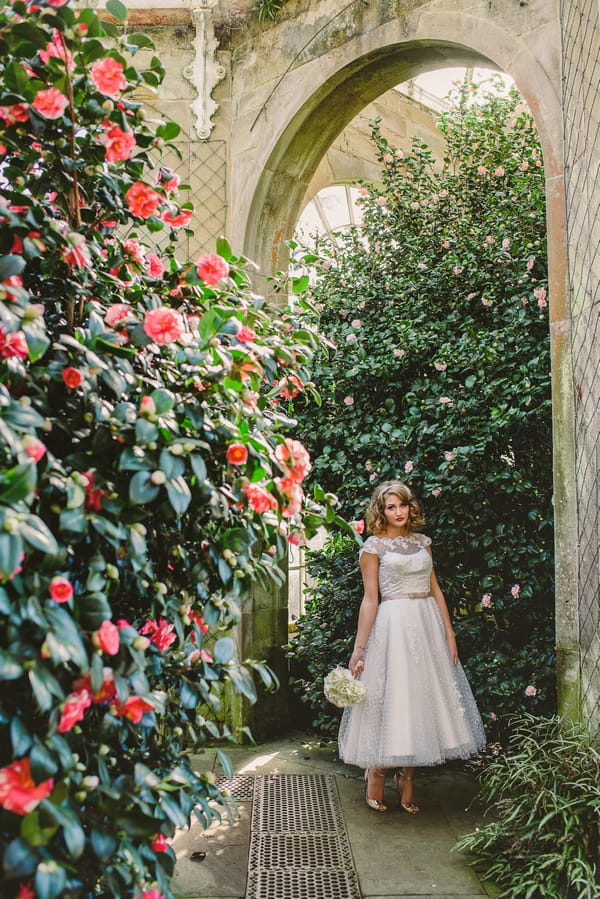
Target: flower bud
(176, 449)
(158, 477)
(141, 643)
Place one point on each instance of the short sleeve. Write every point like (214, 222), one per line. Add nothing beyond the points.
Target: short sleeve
(423, 540)
(369, 546)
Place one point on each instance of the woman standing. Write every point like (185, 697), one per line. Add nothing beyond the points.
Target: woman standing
(419, 708)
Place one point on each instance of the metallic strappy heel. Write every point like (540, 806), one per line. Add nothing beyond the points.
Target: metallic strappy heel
(376, 804)
(409, 807)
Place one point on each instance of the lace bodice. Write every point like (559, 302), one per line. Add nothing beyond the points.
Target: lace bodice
(404, 563)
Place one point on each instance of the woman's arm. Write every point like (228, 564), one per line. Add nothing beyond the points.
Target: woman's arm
(436, 592)
(369, 566)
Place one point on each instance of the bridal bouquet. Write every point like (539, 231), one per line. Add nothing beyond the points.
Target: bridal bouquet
(342, 690)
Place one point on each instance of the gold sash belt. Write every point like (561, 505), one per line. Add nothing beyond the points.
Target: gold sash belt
(406, 596)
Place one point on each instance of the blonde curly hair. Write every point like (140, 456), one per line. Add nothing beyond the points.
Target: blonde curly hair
(375, 514)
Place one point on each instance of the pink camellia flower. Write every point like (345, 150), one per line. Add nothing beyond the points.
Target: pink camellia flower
(60, 589)
(72, 377)
(540, 295)
(414, 205)
(493, 716)
(133, 709)
(152, 894)
(408, 466)
(33, 447)
(448, 456)
(259, 499)
(381, 201)
(530, 263)
(486, 302)
(499, 172)
(147, 406)
(76, 252)
(142, 200)
(530, 690)
(56, 49)
(398, 352)
(154, 266)
(160, 633)
(26, 891)
(164, 325)
(436, 491)
(356, 323)
(134, 249)
(506, 243)
(212, 268)
(73, 710)
(359, 525)
(293, 493)
(297, 537)
(236, 454)
(50, 103)
(119, 144)
(349, 400)
(481, 170)
(446, 401)
(13, 344)
(295, 457)
(160, 843)
(387, 158)
(486, 601)
(440, 366)
(515, 590)
(523, 166)
(246, 334)
(117, 314)
(169, 179)
(18, 793)
(107, 75)
(179, 219)
(107, 638)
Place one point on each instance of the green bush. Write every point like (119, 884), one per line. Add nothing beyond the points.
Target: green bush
(543, 799)
(147, 477)
(438, 374)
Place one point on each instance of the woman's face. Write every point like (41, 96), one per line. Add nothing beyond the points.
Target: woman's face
(396, 511)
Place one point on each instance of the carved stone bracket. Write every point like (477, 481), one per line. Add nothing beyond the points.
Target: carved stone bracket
(204, 72)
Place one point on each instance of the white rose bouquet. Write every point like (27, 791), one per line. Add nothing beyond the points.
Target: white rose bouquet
(342, 690)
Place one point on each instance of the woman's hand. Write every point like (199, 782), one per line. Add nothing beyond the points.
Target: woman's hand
(357, 662)
(452, 648)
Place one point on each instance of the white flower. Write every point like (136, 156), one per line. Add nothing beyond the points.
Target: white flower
(342, 690)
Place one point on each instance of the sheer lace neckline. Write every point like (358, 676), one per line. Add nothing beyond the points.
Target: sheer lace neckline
(412, 538)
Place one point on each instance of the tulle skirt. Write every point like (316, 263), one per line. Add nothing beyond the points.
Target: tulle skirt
(419, 708)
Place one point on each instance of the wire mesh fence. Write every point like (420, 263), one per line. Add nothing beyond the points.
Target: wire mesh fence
(580, 27)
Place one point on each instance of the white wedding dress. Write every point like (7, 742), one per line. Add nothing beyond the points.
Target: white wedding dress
(419, 708)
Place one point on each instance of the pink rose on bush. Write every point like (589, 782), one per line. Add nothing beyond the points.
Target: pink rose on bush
(61, 590)
(18, 792)
(73, 710)
(164, 325)
(212, 268)
(50, 103)
(107, 75)
(142, 200)
(107, 638)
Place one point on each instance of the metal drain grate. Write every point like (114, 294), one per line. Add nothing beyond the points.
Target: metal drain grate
(241, 786)
(298, 843)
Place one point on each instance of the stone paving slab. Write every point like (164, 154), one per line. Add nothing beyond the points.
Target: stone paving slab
(397, 856)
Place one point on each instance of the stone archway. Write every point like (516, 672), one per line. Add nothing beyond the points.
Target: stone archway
(300, 111)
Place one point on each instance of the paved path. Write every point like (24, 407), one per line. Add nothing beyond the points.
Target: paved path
(396, 855)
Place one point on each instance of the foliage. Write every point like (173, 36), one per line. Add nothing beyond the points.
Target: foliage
(439, 375)
(147, 478)
(543, 797)
(267, 9)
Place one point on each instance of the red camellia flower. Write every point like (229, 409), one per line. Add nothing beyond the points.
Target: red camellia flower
(143, 201)
(259, 499)
(119, 144)
(50, 103)
(134, 709)
(72, 377)
(93, 494)
(246, 334)
(106, 692)
(25, 891)
(61, 590)
(236, 454)
(211, 268)
(73, 710)
(163, 325)
(160, 843)
(107, 75)
(107, 638)
(18, 792)
(152, 894)
(198, 620)
(160, 633)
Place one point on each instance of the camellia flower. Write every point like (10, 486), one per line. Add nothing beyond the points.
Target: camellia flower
(18, 792)
(408, 467)
(13, 344)
(356, 323)
(515, 590)
(60, 589)
(236, 454)
(107, 75)
(293, 494)
(259, 499)
(164, 325)
(160, 843)
(107, 691)
(133, 709)
(154, 266)
(436, 491)
(540, 295)
(246, 334)
(25, 891)
(33, 447)
(76, 252)
(93, 494)
(142, 200)
(440, 366)
(152, 894)
(178, 219)
(530, 690)
(446, 401)
(295, 457)
(160, 633)
(212, 268)
(119, 144)
(486, 601)
(73, 710)
(359, 525)
(56, 49)
(349, 400)
(50, 103)
(117, 314)
(107, 638)
(448, 456)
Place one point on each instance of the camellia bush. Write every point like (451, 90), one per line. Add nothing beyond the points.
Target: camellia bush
(439, 375)
(149, 476)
